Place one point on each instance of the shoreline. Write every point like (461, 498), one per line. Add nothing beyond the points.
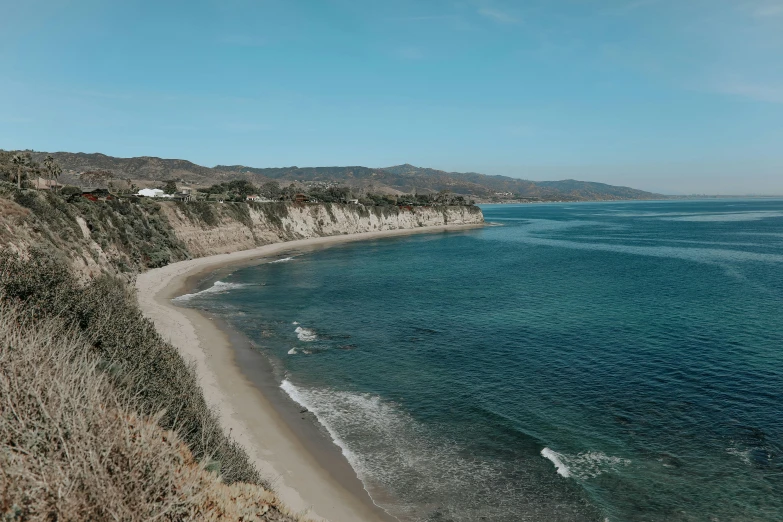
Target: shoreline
(309, 476)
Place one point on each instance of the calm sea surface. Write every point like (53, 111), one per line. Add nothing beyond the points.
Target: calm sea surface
(619, 361)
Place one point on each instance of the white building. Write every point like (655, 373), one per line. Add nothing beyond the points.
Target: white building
(153, 193)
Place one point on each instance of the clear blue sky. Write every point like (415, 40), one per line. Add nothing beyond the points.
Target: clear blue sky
(678, 96)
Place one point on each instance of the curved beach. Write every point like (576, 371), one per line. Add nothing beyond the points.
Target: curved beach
(311, 481)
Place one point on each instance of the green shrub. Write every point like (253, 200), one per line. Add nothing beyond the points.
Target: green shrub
(136, 233)
(273, 212)
(72, 446)
(199, 212)
(239, 212)
(143, 365)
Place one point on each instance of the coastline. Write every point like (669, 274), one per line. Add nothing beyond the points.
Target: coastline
(311, 478)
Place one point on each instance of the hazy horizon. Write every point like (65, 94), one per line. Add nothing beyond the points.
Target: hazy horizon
(665, 96)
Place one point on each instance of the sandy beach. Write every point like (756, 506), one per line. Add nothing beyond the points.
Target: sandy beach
(317, 482)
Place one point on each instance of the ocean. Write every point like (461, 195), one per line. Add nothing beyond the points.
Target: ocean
(570, 362)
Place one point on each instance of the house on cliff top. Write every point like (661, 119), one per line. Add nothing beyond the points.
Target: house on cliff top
(98, 194)
(258, 199)
(152, 193)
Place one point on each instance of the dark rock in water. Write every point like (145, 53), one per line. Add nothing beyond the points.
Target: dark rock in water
(304, 410)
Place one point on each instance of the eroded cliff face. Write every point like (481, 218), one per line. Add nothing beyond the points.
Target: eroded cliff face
(123, 237)
(224, 229)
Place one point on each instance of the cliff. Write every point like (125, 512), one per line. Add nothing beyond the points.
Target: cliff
(123, 237)
(208, 229)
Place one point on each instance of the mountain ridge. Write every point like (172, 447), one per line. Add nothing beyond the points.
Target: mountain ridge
(404, 178)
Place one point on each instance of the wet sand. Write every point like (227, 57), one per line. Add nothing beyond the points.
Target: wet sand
(307, 471)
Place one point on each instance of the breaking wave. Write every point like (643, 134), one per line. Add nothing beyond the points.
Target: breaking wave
(416, 474)
(218, 288)
(583, 465)
(556, 459)
(306, 334)
(282, 260)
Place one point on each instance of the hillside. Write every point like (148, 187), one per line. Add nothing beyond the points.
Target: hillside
(141, 441)
(100, 417)
(398, 179)
(410, 179)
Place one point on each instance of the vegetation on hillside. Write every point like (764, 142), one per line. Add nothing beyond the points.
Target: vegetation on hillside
(100, 418)
(20, 168)
(127, 346)
(389, 180)
(133, 235)
(238, 190)
(74, 445)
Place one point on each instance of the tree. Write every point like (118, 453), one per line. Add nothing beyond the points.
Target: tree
(339, 194)
(241, 187)
(22, 164)
(290, 192)
(70, 190)
(170, 187)
(271, 189)
(52, 168)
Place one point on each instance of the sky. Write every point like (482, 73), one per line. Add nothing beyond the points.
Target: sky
(673, 96)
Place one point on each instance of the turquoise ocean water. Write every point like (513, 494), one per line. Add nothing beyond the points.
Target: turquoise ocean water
(594, 361)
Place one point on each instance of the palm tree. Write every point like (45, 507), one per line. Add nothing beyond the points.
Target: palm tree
(52, 168)
(22, 163)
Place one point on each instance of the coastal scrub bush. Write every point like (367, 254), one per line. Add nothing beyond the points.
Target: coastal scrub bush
(70, 190)
(144, 366)
(199, 211)
(134, 235)
(72, 448)
(330, 211)
(239, 212)
(273, 212)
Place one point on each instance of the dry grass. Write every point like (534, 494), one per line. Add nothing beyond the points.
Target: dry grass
(135, 358)
(12, 209)
(71, 447)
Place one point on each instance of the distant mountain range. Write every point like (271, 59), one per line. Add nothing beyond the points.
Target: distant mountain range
(398, 179)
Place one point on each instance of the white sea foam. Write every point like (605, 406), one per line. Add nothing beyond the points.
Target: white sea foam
(305, 334)
(282, 260)
(302, 398)
(583, 465)
(742, 454)
(217, 288)
(292, 351)
(295, 322)
(557, 460)
(399, 458)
